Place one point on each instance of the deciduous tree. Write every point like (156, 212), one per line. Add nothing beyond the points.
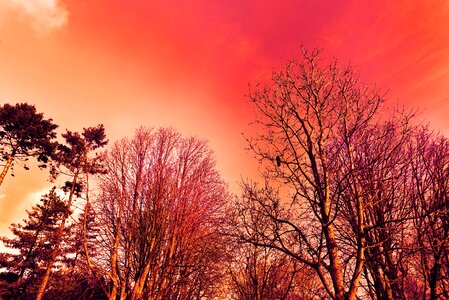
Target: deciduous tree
(260, 273)
(381, 170)
(312, 116)
(160, 207)
(430, 187)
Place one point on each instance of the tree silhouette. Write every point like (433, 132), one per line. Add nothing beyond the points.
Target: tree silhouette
(264, 273)
(24, 133)
(160, 206)
(315, 114)
(430, 202)
(74, 159)
(34, 240)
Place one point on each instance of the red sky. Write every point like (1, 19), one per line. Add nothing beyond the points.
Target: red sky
(187, 64)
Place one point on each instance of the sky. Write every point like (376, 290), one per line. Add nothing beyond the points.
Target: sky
(187, 64)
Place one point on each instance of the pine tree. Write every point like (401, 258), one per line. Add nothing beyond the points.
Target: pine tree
(79, 281)
(31, 247)
(75, 159)
(24, 133)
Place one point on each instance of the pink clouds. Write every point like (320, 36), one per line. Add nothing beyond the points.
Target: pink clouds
(401, 46)
(43, 15)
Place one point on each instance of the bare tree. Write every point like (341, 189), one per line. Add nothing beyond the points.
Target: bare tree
(160, 207)
(430, 173)
(258, 273)
(311, 119)
(382, 174)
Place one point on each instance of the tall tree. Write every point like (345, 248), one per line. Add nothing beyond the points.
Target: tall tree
(311, 116)
(382, 171)
(160, 207)
(75, 159)
(430, 188)
(24, 133)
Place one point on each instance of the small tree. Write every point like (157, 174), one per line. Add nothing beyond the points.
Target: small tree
(34, 241)
(72, 268)
(260, 273)
(24, 133)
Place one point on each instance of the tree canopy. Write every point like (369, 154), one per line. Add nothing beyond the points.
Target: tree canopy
(25, 133)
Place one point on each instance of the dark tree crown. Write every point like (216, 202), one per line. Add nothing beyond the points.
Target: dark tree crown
(24, 132)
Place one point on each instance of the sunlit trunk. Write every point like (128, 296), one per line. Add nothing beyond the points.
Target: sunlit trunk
(114, 255)
(138, 288)
(55, 251)
(361, 239)
(6, 167)
(336, 270)
(89, 261)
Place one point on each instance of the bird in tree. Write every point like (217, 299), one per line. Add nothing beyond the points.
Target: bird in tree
(278, 161)
(25, 133)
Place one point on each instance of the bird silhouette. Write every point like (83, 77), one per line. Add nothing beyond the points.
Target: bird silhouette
(278, 161)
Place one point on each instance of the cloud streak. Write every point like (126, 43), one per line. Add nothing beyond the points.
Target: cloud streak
(43, 15)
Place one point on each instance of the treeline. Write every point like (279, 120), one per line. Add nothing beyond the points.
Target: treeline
(353, 204)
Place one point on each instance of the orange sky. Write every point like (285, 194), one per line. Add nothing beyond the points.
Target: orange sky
(187, 64)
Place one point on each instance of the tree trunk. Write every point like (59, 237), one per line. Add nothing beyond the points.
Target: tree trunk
(115, 249)
(361, 240)
(89, 261)
(138, 288)
(433, 279)
(114, 257)
(6, 167)
(55, 251)
(335, 269)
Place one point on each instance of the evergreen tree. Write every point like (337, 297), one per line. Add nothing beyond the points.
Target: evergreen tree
(31, 247)
(24, 133)
(75, 159)
(79, 281)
